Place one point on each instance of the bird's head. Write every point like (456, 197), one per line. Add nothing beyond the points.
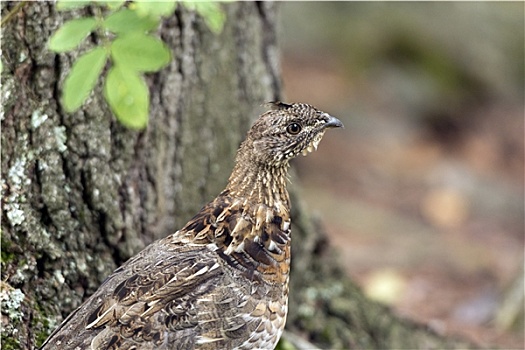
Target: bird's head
(286, 131)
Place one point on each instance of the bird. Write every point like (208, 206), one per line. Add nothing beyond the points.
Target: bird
(220, 282)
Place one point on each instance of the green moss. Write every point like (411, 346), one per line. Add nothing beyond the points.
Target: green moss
(40, 337)
(284, 344)
(40, 324)
(9, 343)
(6, 255)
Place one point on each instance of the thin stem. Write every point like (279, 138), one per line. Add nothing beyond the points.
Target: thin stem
(13, 12)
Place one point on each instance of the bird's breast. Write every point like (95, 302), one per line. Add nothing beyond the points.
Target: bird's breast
(258, 240)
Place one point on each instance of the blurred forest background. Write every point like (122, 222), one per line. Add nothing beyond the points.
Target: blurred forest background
(425, 194)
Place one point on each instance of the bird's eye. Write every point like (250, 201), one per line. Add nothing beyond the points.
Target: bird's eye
(294, 128)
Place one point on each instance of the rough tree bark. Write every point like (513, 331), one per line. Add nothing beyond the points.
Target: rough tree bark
(81, 194)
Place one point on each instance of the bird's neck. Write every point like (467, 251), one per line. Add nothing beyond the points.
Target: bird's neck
(259, 183)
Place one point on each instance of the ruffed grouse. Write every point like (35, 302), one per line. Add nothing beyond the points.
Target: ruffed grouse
(221, 282)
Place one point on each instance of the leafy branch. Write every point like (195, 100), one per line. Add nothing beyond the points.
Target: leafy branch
(128, 45)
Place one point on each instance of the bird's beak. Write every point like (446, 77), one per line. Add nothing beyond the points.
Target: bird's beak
(333, 122)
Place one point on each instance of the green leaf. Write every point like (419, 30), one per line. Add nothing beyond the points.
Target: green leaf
(128, 97)
(126, 20)
(154, 9)
(113, 5)
(140, 52)
(71, 33)
(211, 12)
(63, 5)
(82, 78)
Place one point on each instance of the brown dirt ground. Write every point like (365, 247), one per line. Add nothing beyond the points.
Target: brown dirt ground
(440, 224)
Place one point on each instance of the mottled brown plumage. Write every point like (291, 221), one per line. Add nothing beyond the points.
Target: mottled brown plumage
(221, 282)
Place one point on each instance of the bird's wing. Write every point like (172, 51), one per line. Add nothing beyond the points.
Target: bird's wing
(166, 290)
(133, 301)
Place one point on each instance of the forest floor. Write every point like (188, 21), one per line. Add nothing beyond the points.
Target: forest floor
(431, 223)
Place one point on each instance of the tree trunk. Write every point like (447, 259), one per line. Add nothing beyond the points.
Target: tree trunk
(81, 194)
